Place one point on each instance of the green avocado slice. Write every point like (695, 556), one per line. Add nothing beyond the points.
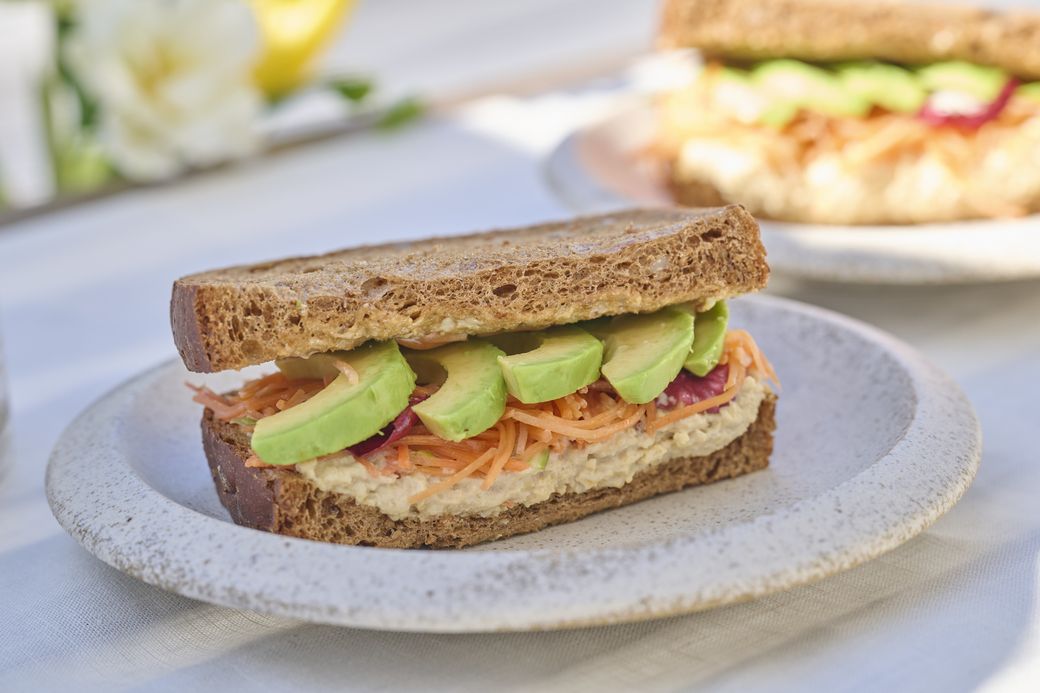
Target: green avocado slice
(889, 86)
(808, 86)
(736, 88)
(558, 362)
(709, 336)
(342, 414)
(643, 353)
(978, 81)
(1029, 91)
(472, 396)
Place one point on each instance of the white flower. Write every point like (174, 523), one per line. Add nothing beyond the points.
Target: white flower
(172, 79)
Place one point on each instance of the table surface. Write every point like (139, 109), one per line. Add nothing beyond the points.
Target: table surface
(83, 306)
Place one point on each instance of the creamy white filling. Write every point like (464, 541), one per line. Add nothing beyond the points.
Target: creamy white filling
(845, 187)
(612, 463)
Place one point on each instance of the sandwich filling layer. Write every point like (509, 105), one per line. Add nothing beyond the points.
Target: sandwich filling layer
(857, 142)
(477, 426)
(611, 463)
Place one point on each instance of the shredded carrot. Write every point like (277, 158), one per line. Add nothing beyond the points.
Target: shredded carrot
(372, 470)
(454, 479)
(507, 439)
(521, 439)
(404, 458)
(534, 450)
(691, 409)
(434, 470)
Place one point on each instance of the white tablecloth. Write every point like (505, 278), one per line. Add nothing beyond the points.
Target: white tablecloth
(83, 305)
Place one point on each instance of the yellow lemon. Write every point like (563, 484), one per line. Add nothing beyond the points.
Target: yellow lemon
(294, 33)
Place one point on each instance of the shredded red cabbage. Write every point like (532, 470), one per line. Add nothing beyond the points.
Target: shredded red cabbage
(392, 432)
(688, 388)
(969, 121)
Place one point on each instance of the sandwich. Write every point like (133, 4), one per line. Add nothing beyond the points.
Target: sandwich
(452, 391)
(850, 112)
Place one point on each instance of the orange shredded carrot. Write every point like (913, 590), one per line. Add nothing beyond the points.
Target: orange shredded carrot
(521, 439)
(453, 479)
(372, 471)
(404, 458)
(691, 409)
(222, 408)
(507, 439)
(442, 462)
(434, 470)
(532, 451)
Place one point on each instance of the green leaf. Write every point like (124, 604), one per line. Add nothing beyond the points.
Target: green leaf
(352, 89)
(401, 113)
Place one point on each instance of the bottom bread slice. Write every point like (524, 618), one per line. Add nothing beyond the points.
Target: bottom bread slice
(281, 501)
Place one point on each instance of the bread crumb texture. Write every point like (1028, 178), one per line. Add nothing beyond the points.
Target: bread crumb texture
(828, 30)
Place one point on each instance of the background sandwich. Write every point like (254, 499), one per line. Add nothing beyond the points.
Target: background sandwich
(453, 391)
(848, 112)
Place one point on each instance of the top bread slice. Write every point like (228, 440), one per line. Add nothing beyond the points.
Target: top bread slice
(826, 30)
(512, 279)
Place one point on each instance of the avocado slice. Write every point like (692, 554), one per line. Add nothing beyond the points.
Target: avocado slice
(643, 353)
(978, 81)
(472, 396)
(558, 362)
(778, 115)
(889, 86)
(736, 91)
(1029, 91)
(809, 87)
(343, 413)
(709, 336)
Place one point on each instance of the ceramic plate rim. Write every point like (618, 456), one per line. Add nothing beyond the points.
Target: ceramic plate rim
(183, 567)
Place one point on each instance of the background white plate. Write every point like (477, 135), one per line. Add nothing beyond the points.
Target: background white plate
(873, 445)
(598, 168)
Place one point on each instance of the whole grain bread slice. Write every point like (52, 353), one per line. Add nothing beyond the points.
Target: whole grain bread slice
(826, 30)
(523, 278)
(280, 500)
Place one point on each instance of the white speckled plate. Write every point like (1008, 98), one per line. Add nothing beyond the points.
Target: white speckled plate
(598, 169)
(873, 445)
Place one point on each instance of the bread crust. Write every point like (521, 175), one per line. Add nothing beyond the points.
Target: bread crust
(826, 30)
(525, 278)
(282, 501)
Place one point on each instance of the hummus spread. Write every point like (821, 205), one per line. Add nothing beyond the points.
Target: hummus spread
(611, 463)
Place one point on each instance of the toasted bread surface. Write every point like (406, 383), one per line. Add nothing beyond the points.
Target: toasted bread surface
(524, 278)
(280, 500)
(826, 30)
